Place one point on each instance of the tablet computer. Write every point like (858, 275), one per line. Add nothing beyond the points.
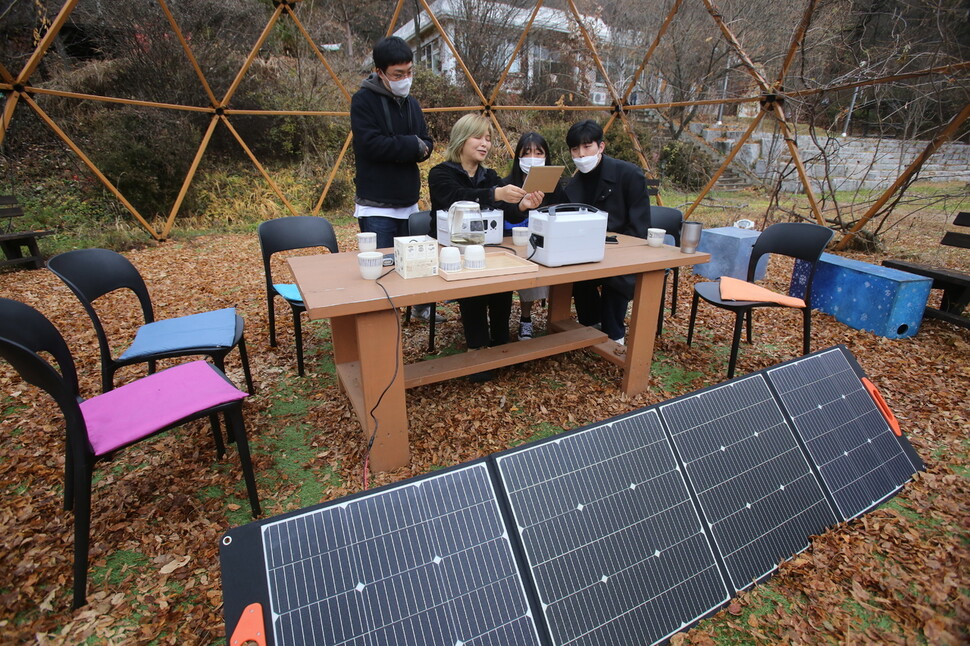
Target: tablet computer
(543, 178)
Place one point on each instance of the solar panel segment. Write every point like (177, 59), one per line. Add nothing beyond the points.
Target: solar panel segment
(425, 563)
(610, 535)
(859, 458)
(757, 492)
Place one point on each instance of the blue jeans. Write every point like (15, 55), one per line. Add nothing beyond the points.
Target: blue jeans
(386, 228)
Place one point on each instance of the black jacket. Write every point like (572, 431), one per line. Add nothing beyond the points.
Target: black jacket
(621, 192)
(388, 135)
(448, 183)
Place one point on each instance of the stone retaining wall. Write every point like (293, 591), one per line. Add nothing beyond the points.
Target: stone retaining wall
(849, 162)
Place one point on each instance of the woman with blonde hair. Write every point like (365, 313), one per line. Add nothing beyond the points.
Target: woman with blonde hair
(485, 319)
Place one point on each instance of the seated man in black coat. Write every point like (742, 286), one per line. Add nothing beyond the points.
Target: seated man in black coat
(619, 188)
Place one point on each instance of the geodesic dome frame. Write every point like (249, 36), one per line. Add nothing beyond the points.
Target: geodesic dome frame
(770, 96)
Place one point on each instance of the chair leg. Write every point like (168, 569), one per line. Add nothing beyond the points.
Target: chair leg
(82, 529)
(272, 321)
(244, 357)
(807, 330)
(431, 327)
(673, 292)
(235, 421)
(663, 297)
(107, 377)
(217, 434)
(298, 333)
(68, 475)
(735, 342)
(693, 315)
(749, 316)
(152, 366)
(407, 314)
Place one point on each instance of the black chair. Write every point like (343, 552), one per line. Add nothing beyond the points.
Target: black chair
(100, 426)
(92, 273)
(287, 234)
(800, 240)
(670, 220)
(420, 223)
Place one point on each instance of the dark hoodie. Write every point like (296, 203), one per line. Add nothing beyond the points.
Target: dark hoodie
(390, 138)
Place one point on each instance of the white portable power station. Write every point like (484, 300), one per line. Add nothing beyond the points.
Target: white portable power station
(567, 234)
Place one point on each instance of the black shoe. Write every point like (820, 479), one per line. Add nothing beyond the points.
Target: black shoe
(481, 377)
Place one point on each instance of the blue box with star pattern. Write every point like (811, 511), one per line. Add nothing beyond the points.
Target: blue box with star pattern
(885, 301)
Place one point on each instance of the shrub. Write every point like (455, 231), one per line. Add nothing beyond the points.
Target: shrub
(684, 164)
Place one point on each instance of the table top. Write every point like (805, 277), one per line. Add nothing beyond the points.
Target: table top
(331, 284)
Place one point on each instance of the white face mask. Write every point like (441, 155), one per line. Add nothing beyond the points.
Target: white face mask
(400, 88)
(586, 164)
(526, 163)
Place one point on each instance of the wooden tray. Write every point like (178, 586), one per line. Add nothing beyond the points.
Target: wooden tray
(497, 263)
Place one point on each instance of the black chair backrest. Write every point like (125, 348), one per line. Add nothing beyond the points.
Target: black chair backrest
(294, 232)
(92, 273)
(24, 334)
(801, 240)
(669, 219)
(419, 223)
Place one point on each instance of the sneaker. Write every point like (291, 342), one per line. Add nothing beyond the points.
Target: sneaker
(621, 340)
(423, 312)
(525, 330)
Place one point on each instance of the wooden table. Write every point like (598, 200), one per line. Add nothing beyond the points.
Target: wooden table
(367, 334)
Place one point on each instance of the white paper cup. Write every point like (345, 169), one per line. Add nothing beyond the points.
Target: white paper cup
(371, 264)
(520, 236)
(655, 237)
(450, 259)
(367, 241)
(475, 256)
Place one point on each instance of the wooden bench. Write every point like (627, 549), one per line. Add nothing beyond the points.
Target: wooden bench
(955, 284)
(13, 242)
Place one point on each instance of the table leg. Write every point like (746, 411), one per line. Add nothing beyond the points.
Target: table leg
(642, 332)
(370, 366)
(560, 302)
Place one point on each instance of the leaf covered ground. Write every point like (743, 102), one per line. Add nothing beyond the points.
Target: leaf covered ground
(900, 574)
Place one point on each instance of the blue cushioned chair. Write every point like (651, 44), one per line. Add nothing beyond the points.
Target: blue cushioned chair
(102, 425)
(286, 234)
(92, 273)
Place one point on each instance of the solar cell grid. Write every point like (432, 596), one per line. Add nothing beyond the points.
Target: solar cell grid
(756, 490)
(860, 460)
(611, 537)
(425, 563)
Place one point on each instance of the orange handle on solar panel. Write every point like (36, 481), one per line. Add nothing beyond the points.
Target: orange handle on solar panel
(250, 627)
(882, 406)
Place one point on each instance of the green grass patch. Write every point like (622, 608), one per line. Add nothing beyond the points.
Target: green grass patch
(116, 566)
(539, 432)
(674, 376)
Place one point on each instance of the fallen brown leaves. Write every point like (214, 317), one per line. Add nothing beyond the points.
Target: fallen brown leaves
(901, 574)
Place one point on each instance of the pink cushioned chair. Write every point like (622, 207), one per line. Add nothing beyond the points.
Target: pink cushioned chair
(99, 426)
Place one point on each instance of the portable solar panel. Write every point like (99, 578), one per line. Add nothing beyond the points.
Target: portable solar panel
(425, 562)
(611, 538)
(623, 532)
(861, 461)
(757, 492)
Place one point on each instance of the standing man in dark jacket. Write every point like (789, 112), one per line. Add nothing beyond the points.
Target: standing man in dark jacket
(620, 189)
(390, 138)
